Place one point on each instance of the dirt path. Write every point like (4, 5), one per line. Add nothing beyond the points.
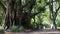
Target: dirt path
(36, 32)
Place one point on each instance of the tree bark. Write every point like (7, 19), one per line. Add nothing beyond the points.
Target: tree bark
(9, 13)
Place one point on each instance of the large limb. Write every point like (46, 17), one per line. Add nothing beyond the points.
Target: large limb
(35, 14)
(57, 11)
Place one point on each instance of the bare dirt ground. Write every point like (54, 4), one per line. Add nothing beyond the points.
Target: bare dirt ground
(36, 32)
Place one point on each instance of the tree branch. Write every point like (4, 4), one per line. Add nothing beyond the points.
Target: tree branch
(57, 12)
(38, 12)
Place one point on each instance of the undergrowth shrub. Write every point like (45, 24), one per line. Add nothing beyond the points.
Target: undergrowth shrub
(1, 29)
(17, 28)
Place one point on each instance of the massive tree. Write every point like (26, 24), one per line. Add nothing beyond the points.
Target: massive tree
(18, 12)
(9, 13)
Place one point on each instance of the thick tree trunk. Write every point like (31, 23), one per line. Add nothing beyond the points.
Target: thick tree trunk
(9, 13)
(18, 17)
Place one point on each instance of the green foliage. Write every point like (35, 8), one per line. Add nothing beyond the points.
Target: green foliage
(58, 28)
(47, 25)
(1, 17)
(4, 2)
(21, 29)
(1, 29)
(17, 29)
(41, 8)
(32, 21)
(14, 28)
(58, 24)
(47, 3)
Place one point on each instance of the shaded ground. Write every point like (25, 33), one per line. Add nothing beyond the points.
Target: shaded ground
(36, 32)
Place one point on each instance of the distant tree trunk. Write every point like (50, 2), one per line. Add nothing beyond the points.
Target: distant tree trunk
(53, 14)
(19, 12)
(15, 11)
